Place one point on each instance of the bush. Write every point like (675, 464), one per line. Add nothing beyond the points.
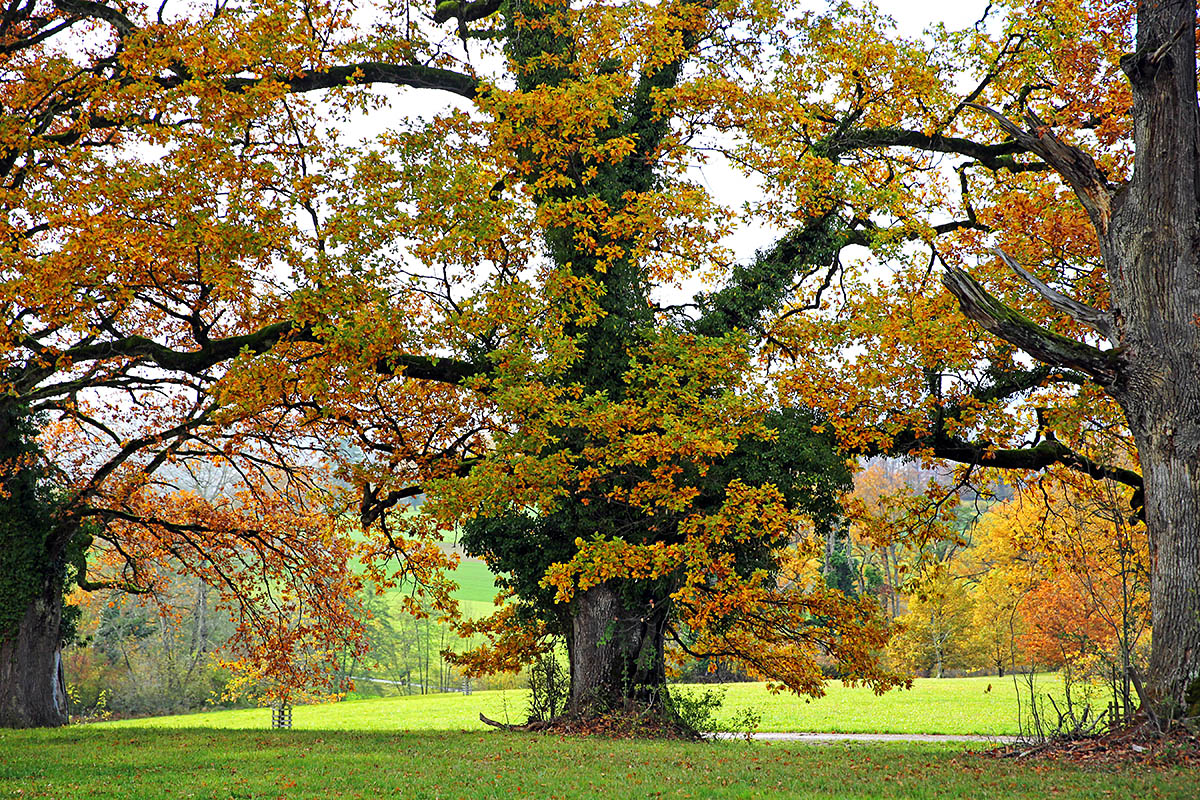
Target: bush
(697, 710)
(549, 689)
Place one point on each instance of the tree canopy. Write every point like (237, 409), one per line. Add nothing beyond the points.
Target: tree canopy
(199, 276)
(480, 305)
(154, 160)
(1023, 153)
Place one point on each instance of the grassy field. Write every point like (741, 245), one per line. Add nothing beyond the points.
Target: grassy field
(950, 705)
(475, 583)
(986, 706)
(476, 592)
(145, 764)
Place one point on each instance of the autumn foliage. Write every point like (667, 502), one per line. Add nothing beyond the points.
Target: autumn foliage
(207, 272)
(153, 161)
(203, 280)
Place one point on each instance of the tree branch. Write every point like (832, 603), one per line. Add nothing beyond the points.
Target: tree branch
(992, 156)
(367, 72)
(192, 362)
(1090, 185)
(465, 12)
(1015, 328)
(648, 123)
(374, 505)
(1005, 385)
(755, 289)
(1097, 320)
(1036, 457)
(430, 368)
(88, 9)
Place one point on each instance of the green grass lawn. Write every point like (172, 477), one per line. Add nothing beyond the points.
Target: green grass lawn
(476, 590)
(949, 705)
(429, 712)
(94, 762)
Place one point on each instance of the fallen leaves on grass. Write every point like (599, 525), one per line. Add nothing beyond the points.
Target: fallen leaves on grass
(1139, 744)
(615, 725)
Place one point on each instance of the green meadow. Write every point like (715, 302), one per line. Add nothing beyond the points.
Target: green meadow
(476, 591)
(154, 764)
(985, 706)
(434, 746)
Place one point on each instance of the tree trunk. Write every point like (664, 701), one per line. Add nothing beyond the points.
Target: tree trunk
(32, 691)
(1172, 482)
(1149, 235)
(616, 654)
(33, 556)
(1152, 251)
(938, 643)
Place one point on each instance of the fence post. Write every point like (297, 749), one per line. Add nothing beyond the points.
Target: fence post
(281, 715)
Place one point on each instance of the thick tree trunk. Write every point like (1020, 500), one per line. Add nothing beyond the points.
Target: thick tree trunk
(1149, 235)
(32, 571)
(1169, 450)
(1152, 251)
(616, 654)
(32, 691)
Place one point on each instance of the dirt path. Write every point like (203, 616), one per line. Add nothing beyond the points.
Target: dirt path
(830, 738)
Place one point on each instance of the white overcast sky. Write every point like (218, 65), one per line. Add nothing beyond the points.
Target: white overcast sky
(914, 16)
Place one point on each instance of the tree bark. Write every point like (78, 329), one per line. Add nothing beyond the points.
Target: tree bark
(33, 555)
(32, 691)
(616, 654)
(1168, 441)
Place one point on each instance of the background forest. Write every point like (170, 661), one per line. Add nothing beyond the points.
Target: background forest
(1049, 579)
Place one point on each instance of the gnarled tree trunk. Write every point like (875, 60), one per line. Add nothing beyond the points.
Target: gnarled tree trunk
(32, 572)
(1149, 235)
(1152, 250)
(616, 654)
(32, 691)
(1170, 456)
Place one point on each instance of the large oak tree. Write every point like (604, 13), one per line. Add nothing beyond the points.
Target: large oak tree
(632, 480)
(154, 164)
(198, 276)
(1047, 158)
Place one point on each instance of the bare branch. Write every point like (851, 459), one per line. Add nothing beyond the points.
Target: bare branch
(1090, 185)
(1094, 318)
(1015, 328)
